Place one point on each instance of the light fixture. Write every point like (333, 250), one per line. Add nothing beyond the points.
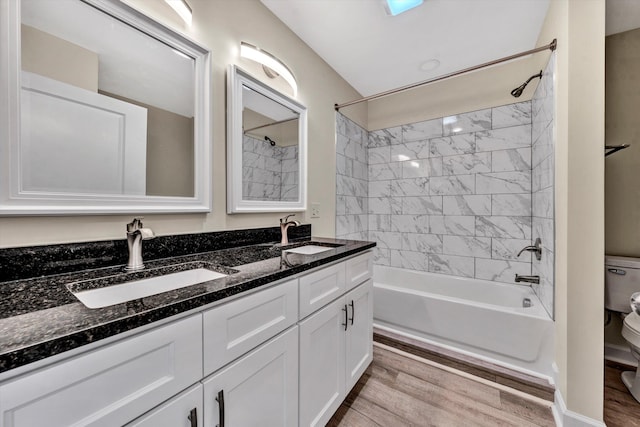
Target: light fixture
(396, 7)
(182, 8)
(271, 65)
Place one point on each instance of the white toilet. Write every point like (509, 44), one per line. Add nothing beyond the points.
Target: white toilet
(622, 280)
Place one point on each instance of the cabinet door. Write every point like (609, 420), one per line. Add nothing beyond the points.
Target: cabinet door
(260, 389)
(321, 287)
(184, 410)
(322, 338)
(109, 386)
(232, 329)
(359, 342)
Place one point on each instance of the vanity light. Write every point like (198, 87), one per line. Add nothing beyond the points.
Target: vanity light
(182, 8)
(272, 66)
(396, 7)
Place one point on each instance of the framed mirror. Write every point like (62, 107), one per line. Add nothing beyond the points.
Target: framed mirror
(107, 111)
(266, 147)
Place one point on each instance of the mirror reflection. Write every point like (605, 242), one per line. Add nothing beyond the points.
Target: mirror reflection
(105, 108)
(266, 147)
(270, 170)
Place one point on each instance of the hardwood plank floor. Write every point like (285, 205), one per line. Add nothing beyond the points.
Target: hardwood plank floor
(400, 389)
(620, 408)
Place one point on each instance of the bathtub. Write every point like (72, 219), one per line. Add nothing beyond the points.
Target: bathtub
(483, 319)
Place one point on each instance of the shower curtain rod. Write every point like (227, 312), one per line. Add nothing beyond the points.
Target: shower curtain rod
(551, 46)
(270, 124)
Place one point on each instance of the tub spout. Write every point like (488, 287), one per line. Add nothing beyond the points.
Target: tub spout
(528, 279)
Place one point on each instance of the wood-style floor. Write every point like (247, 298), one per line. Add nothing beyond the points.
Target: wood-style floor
(400, 389)
(620, 408)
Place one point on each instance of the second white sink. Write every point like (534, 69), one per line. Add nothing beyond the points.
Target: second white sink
(309, 249)
(116, 294)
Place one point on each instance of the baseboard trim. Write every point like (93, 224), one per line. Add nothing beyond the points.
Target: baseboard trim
(566, 418)
(619, 354)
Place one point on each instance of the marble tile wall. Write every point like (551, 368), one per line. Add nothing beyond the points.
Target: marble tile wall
(453, 195)
(458, 195)
(351, 180)
(542, 190)
(269, 172)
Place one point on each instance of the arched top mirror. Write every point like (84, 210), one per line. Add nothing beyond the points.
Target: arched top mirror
(108, 111)
(266, 147)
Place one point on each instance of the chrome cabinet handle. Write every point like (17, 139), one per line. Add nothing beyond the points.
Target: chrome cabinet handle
(193, 417)
(220, 400)
(346, 317)
(353, 312)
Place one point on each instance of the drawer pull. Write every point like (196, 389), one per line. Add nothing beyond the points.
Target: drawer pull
(346, 317)
(220, 400)
(193, 417)
(353, 311)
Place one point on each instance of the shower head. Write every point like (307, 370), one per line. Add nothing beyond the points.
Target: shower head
(270, 141)
(518, 91)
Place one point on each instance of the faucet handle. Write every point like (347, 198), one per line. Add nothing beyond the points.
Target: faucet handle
(284, 220)
(535, 248)
(135, 224)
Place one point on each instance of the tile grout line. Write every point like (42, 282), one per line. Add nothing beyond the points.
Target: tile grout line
(466, 375)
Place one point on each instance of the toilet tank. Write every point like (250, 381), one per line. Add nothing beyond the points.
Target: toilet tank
(621, 279)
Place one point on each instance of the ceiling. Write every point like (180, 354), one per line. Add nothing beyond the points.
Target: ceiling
(622, 15)
(378, 52)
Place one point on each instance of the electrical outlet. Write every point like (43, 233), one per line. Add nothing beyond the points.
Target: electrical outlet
(315, 210)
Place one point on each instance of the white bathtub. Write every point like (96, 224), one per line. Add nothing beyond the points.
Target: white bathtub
(484, 319)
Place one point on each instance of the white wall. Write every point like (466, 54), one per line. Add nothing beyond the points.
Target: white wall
(579, 195)
(221, 25)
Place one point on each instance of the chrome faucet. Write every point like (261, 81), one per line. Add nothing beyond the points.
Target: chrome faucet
(284, 225)
(135, 235)
(536, 248)
(528, 279)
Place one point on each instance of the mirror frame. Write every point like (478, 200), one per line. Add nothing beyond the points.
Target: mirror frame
(15, 201)
(236, 79)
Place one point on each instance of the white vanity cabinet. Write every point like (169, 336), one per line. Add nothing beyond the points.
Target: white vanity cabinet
(336, 346)
(108, 386)
(285, 355)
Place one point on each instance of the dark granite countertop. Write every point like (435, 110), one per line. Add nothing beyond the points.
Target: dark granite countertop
(39, 317)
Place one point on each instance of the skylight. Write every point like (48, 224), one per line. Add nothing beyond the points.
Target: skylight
(396, 7)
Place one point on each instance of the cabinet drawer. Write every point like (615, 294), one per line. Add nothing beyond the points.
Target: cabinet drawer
(178, 412)
(109, 386)
(233, 329)
(359, 269)
(320, 288)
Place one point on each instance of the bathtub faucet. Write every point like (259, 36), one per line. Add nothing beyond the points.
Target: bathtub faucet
(528, 279)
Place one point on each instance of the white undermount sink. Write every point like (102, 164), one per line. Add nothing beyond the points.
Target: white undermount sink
(128, 291)
(309, 249)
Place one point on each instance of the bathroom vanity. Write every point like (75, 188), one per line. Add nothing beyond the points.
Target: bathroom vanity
(279, 341)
